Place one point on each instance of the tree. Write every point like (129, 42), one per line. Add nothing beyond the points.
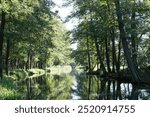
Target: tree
(8, 9)
(32, 36)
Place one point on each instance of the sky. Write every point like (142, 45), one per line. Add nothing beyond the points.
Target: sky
(63, 12)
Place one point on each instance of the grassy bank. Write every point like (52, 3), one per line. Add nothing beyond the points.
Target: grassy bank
(9, 88)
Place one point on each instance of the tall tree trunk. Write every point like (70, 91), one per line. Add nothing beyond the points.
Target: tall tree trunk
(28, 61)
(1, 41)
(93, 32)
(99, 55)
(134, 71)
(133, 37)
(119, 53)
(88, 55)
(107, 45)
(114, 60)
(89, 67)
(7, 55)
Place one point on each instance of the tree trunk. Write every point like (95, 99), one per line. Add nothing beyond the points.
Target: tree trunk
(114, 60)
(89, 67)
(99, 55)
(28, 61)
(88, 55)
(119, 53)
(133, 38)
(7, 55)
(107, 45)
(134, 71)
(1, 41)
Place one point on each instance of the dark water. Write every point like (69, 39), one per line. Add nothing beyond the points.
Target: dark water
(76, 85)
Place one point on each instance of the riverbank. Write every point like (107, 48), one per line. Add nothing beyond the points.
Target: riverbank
(9, 84)
(20, 84)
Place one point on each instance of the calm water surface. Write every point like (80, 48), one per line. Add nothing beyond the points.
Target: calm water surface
(76, 86)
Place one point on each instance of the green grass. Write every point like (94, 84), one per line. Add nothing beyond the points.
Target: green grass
(6, 93)
(8, 89)
(13, 86)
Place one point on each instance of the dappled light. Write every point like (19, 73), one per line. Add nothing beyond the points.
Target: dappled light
(75, 50)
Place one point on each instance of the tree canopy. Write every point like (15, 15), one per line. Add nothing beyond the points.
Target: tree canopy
(112, 35)
(31, 35)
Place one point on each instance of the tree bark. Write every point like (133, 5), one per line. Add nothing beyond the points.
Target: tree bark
(133, 38)
(1, 41)
(88, 55)
(93, 35)
(7, 55)
(114, 60)
(119, 54)
(99, 56)
(89, 66)
(134, 71)
(107, 45)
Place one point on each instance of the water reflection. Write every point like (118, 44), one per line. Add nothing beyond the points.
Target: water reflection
(80, 86)
(47, 87)
(96, 88)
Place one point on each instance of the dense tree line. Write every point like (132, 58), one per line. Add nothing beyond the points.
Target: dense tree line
(31, 35)
(113, 43)
(113, 35)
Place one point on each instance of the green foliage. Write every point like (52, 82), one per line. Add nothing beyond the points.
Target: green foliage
(37, 38)
(8, 89)
(47, 87)
(34, 37)
(61, 50)
(16, 86)
(83, 87)
(6, 93)
(18, 74)
(97, 20)
(58, 88)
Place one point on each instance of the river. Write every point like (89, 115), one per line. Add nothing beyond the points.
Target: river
(77, 85)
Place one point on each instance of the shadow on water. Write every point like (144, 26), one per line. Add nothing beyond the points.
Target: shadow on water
(76, 85)
(95, 88)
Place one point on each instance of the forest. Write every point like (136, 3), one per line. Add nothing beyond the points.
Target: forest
(113, 49)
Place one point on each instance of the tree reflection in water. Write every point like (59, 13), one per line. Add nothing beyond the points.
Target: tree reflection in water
(101, 89)
(47, 87)
(80, 86)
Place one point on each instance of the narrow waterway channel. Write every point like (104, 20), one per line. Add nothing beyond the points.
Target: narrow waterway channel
(75, 86)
